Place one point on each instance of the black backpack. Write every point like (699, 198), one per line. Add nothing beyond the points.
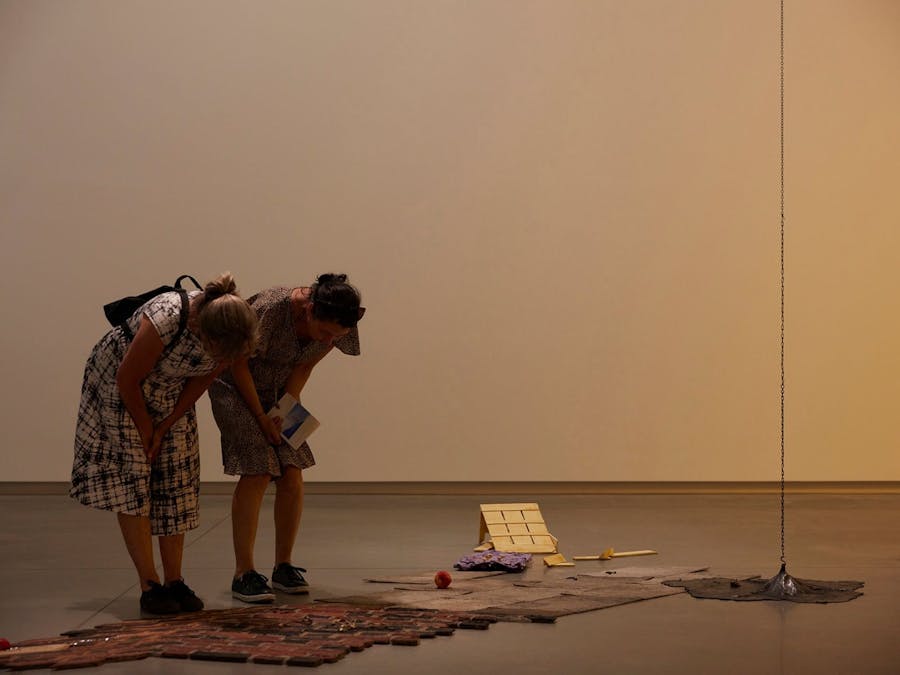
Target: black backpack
(119, 311)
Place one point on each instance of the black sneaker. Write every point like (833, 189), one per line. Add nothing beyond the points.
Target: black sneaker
(158, 600)
(252, 587)
(186, 598)
(287, 578)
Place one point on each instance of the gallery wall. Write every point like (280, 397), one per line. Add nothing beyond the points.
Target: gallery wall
(563, 216)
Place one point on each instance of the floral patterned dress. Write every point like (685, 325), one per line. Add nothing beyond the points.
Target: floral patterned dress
(245, 450)
(110, 470)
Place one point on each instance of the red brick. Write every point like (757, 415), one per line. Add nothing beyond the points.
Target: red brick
(232, 657)
(405, 640)
(308, 661)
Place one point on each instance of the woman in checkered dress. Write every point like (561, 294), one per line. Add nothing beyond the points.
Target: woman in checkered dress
(136, 449)
(298, 328)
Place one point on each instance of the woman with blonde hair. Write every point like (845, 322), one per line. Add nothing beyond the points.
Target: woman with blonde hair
(136, 447)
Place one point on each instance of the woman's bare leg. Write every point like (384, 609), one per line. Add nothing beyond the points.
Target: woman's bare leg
(245, 505)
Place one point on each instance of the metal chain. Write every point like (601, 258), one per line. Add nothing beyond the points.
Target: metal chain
(782, 282)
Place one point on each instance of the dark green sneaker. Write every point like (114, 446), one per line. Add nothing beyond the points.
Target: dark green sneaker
(186, 598)
(158, 600)
(288, 579)
(252, 587)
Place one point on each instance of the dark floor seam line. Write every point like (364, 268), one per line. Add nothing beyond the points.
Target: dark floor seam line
(108, 604)
(213, 527)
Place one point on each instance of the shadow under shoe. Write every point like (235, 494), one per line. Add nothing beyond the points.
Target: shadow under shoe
(158, 600)
(185, 597)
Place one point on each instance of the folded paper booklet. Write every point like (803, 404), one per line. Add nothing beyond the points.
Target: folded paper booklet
(297, 423)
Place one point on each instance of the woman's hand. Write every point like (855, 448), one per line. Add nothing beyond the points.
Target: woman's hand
(146, 432)
(155, 444)
(271, 428)
(156, 439)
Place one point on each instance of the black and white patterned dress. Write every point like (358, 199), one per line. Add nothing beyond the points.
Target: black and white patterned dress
(245, 450)
(110, 470)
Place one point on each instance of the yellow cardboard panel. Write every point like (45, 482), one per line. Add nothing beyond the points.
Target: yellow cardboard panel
(517, 528)
(528, 548)
(509, 507)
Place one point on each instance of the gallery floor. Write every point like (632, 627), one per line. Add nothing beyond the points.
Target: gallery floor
(63, 566)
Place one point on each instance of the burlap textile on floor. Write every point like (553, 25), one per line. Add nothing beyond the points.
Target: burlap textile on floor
(510, 597)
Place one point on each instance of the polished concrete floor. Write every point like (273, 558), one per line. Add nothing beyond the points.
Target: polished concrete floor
(63, 566)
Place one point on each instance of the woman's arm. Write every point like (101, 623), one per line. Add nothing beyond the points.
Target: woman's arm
(243, 381)
(140, 358)
(192, 390)
(300, 374)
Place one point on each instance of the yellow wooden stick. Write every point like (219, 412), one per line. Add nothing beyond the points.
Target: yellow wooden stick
(610, 553)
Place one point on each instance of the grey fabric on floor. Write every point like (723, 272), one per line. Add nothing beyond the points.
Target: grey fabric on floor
(658, 573)
(509, 597)
(753, 589)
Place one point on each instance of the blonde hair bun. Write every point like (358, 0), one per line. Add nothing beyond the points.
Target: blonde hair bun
(223, 284)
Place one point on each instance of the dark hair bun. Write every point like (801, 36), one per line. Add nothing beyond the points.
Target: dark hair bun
(334, 299)
(329, 279)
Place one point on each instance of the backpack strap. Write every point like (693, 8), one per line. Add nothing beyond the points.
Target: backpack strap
(187, 276)
(183, 317)
(126, 331)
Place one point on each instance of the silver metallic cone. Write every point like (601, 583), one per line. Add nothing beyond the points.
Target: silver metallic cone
(781, 586)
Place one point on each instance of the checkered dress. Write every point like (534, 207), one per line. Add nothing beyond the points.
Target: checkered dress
(245, 451)
(110, 470)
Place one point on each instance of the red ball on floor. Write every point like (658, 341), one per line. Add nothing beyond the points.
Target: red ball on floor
(442, 579)
(4, 644)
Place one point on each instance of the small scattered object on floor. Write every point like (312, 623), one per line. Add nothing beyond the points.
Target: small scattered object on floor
(443, 579)
(515, 528)
(611, 553)
(494, 560)
(557, 560)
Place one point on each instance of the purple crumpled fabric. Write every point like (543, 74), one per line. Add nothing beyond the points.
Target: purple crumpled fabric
(494, 560)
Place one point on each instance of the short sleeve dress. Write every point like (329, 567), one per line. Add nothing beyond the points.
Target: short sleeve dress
(245, 451)
(110, 470)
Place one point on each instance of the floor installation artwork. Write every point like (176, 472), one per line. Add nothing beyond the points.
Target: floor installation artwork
(64, 568)
(325, 632)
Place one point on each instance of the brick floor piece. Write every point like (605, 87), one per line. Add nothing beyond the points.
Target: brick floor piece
(308, 635)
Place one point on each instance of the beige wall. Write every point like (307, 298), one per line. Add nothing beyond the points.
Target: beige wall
(563, 215)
